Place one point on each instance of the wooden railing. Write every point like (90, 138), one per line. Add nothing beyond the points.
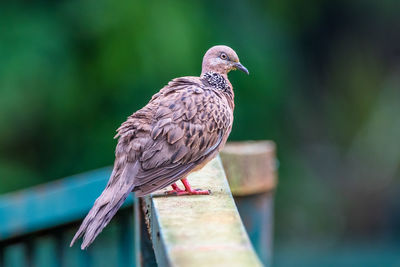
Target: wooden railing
(251, 168)
(207, 230)
(37, 224)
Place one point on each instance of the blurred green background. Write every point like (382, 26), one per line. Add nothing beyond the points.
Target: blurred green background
(324, 84)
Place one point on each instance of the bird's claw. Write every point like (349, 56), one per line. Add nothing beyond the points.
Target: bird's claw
(186, 193)
(200, 192)
(176, 191)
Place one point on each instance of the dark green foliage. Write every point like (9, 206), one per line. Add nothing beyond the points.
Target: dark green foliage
(323, 84)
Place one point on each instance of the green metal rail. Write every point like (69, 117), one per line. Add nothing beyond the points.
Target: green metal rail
(37, 225)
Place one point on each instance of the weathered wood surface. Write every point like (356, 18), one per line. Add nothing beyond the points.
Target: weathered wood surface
(251, 169)
(199, 230)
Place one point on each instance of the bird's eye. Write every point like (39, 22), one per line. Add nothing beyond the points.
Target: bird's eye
(223, 56)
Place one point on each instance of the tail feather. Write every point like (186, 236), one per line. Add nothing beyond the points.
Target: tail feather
(107, 204)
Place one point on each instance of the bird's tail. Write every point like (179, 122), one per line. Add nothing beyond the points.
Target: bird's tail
(107, 204)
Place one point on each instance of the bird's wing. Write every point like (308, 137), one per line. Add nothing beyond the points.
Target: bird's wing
(185, 124)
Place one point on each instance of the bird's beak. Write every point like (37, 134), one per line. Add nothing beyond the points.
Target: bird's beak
(241, 67)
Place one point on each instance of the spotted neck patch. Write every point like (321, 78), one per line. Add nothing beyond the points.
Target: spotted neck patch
(216, 80)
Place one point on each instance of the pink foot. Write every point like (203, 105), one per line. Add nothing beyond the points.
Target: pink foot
(193, 192)
(175, 190)
(190, 191)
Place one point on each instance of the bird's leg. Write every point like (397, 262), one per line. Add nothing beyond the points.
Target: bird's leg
(190, 191)
(175, 190)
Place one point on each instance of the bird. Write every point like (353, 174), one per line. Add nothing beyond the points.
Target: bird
(182, 128)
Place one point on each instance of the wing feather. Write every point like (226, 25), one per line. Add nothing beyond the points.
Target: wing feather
(183, 126)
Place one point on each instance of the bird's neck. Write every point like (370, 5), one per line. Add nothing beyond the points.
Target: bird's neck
(220, 83)
(216, 80)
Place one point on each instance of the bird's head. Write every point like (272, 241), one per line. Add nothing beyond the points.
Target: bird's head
(221, 59)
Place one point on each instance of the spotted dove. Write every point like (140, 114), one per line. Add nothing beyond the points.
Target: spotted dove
(182, 128)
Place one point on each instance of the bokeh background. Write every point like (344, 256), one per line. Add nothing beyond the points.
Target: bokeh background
(324, 84)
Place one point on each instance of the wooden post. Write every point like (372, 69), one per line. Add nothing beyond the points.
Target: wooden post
(251, 171)
(144, 253)
(199, 230)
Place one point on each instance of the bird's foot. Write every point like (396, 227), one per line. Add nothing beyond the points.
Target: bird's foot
(186, 193)
(175, 190)
(180, 192)
(194, 192)
(190, 191)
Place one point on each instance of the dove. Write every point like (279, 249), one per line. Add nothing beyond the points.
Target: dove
(182, 128)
